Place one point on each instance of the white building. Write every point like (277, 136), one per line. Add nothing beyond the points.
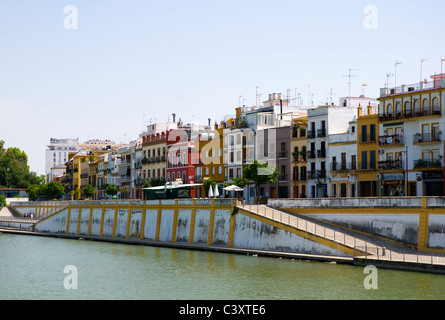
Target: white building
(56, 154)
(411, 120)
(342, 162)
(322, 122)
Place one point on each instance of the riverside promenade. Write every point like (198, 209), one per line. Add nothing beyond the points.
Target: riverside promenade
(361, 249)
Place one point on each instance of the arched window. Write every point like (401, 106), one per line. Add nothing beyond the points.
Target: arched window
(184, 177)
(184, 158)
(173, 160)
(408, 110)
(173, 176)
(425, 107)
(168, 176)
(398, 110)
(436, 107)
(416, 107)
(389, 110)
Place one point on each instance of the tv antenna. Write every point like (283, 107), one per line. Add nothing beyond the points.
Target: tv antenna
(350, 76)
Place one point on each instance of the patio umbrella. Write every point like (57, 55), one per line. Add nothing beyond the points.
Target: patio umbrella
(216, 192)
(210, 192)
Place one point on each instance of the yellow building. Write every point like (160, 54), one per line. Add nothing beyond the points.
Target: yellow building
(367, 153)
(298, 145)
(210, 160)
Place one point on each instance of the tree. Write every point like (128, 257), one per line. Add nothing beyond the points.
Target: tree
(33, 192)
(14, 169)
(52, 190)
(111, 189)
(2, 200)
(261, 173)
(240, 182)
(207, 183)
(88, 191)
(125, 191)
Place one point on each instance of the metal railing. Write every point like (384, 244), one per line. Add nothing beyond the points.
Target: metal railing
(361, 248)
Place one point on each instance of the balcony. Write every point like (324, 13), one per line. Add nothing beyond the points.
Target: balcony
(283, 177)
(321, 133)
(311, 134)
(318, 174)
(282, 154)
(427, 137)
(390, 165)
(321, 153)
(427, 164)
(343, 167)
(408, 114)
(391, 140)
(311, 154)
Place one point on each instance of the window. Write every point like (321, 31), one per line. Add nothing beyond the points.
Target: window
(364, 160)
(364, 133)
(372, 159)
(184, 176)
(372, 132)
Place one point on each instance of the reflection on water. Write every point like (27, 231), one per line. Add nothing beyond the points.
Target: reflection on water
(32, 268)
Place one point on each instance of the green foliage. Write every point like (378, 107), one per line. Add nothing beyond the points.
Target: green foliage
(52, 190)
(2, 200)
(33, 191)
(209, 182)
(240, 182)
(14, 169)
(88, 191)
(261, 173)
(147, 184)
(111, 189)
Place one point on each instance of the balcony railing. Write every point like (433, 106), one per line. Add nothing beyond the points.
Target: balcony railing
(390, 165)
(311, 134)
(321, 153)
(282, 154)
(423, 164)
(318, 174)
(335, 166)
(321, 133)
(427, 137)
(410, 114)
(311, 154)
(389, 140)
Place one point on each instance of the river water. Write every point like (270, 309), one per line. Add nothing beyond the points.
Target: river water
(51, 268)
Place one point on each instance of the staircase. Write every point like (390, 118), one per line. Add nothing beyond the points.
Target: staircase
(354, 243)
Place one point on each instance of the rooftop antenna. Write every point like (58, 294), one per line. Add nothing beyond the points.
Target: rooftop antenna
(350, 75)
(388, 74)
(257, 96)
(421, 62)
(309, 86)
(239, 102)
(395, 72)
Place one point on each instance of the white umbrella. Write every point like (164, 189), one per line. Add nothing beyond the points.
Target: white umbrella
(210, 192)
(216, 192)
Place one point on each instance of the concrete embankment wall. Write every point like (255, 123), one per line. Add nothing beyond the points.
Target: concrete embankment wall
(206, 222)
(416, 221)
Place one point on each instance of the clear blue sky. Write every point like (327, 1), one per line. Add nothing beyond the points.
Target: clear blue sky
(194, 58)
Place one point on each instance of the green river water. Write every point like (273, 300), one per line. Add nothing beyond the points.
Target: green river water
(35, 268)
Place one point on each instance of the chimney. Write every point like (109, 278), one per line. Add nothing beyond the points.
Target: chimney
(359, 111)
(174, 117)
(209, 121)
(369, 108)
